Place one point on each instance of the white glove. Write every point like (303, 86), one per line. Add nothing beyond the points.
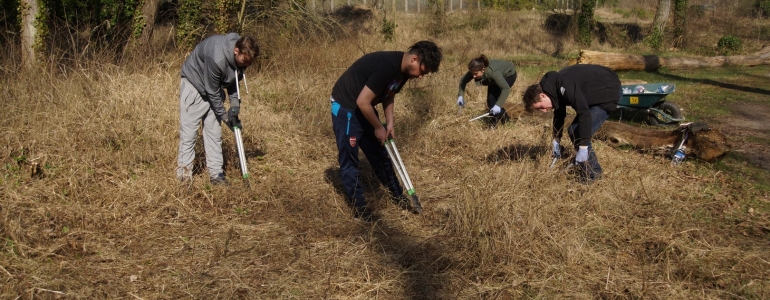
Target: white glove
(582, 154)
(460, 101)
(495, 110)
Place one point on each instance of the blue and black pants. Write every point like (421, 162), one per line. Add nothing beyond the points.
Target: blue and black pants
(352, 132)
(591, 169)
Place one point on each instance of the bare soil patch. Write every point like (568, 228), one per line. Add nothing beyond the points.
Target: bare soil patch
(748, 131)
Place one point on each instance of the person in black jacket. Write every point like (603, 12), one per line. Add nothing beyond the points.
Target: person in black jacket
(593, 91)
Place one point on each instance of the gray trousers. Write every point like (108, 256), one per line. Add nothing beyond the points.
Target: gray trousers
(192, 110)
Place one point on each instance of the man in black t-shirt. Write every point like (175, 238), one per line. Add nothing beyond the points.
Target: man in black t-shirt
(373, 79)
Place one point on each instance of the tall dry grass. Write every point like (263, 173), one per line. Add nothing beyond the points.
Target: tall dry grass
(91, 208)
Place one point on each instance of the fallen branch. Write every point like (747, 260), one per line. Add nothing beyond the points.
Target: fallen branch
(622, 61)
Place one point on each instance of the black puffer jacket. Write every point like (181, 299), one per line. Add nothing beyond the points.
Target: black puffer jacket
(581, 87)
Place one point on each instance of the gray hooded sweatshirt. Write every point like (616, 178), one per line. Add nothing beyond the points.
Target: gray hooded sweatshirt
(210, 67)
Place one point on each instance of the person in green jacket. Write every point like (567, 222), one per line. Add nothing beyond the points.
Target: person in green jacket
(498, 75)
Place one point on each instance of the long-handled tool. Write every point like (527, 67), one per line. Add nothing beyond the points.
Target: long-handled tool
(479, 117)
(553, 163)
(390, 146)
(238, 137)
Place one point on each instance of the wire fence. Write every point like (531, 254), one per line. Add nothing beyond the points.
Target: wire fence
(404, 6)
(415, 6)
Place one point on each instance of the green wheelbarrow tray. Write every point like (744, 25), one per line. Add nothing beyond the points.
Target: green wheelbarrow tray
(651, 100)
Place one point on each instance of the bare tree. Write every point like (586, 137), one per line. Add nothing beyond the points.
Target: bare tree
(659, 23)
(680, 22)
(29, 32)
(585, 22)
(149, 13)
(143, 25)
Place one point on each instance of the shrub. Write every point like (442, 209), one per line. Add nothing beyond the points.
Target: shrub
(478, 21)
(763, 7)
(655, 39)
(509, 4)
(729, 44)
(388, 29)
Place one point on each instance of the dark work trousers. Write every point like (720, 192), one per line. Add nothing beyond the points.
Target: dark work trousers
(353, 131)
(591, 169)
(493, 94)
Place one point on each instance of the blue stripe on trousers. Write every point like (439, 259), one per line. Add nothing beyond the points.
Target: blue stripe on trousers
(346, 125)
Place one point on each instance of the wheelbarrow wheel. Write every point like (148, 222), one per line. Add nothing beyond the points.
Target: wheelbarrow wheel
(668, 108)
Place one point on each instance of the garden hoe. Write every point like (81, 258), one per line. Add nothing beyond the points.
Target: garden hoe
(238, 137)
(390, 145)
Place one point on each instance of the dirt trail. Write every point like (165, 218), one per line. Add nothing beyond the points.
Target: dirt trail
(748, 131)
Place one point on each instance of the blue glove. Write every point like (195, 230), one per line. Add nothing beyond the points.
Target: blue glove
(460, 101)
(582, 155)
(556, 149)
(495, 110)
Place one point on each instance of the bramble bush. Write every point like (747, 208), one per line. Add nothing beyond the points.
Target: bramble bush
(729, 44)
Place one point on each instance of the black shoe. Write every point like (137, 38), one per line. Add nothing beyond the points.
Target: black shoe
(219, 180)
(363, 214)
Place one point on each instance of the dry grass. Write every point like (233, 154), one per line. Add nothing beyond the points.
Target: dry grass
(91, 209)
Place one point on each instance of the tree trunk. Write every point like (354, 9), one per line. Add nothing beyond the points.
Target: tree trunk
(143, 25)
(621, 61)
(585, 22)
(149, 12)
(655, 39)
(661, 16)
(680, 22)
(29, 33)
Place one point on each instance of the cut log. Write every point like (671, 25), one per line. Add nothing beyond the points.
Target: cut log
(705, 143)
(623, 62)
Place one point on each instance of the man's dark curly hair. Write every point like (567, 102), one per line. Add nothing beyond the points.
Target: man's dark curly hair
(531, 96)
(429, 54)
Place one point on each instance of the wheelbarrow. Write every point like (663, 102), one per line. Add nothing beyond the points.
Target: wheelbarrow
(649, 99)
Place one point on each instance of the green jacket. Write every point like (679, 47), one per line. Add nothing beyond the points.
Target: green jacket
(495, 74)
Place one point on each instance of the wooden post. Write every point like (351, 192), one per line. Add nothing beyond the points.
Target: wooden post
(418, 7)
(406, 6)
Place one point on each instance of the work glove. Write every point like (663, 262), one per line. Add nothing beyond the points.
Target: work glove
(234, 111)
(460, 101)
(556, 149)
(495, 110)
(582, 155)
(232, 119)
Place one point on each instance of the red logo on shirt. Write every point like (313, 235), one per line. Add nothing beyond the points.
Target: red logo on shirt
(352, 141)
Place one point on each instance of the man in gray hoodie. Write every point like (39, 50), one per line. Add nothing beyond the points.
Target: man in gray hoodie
(213, 65)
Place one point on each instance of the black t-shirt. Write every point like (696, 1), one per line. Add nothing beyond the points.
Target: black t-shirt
(380, 71)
